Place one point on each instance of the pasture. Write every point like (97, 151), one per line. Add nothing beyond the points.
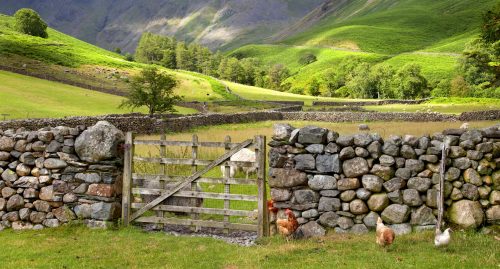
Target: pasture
(78, 247)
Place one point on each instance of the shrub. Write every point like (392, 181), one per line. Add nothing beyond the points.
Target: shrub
(29, 22)
(307, 58)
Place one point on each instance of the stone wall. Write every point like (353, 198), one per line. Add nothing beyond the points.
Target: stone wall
(57, 175)
(371, 103)
(143, 124)
(346, 182)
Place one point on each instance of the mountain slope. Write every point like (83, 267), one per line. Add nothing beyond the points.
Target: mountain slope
(219, 24)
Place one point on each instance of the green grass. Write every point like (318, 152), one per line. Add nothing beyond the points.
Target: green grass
(28, 97)
(443, 105)
(77, 247)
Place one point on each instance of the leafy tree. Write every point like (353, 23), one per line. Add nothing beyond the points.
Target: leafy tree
(490, 30)
(152, 89)
(314, 88)
(459, 87)
(118, 50)
(278, 73)
(409, 83)
(28, 21)
(307, 58)
(359, 82)
(150, 48)
(382, 76)
(337, 77)
(442, 89)
(169, 59)
(479, 63)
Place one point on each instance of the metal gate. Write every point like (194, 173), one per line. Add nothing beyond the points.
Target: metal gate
(160, 208)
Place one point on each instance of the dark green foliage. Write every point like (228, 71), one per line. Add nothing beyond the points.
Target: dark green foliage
(409, 83)
(118, 50)
(152, 89)
(314, 87)
(29, 22)
(307, 58)
(442, 89)
(490, 31)
(278, 73)
(129, 57)
(480, 67)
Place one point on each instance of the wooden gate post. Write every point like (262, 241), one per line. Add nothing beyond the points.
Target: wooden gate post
(127, 177)
(262, 219)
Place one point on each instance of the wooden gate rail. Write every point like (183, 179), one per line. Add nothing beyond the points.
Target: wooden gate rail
(183, 182)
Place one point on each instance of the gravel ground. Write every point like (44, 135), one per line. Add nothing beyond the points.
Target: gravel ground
(242, 238)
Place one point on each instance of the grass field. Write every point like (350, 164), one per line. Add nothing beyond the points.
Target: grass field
(443, 105)
(78, 247)
(28, 97)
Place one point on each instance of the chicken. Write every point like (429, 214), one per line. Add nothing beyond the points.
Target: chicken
(442, 239)
(270, 207)
(273, 211)
(385, 235)
(287, 227)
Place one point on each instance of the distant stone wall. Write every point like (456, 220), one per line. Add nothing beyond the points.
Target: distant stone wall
(143, 124)
(370, 103)
(56, 175)
(346, 182)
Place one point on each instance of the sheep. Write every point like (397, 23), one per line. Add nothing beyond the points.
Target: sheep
(465, 126)
(244, 155)
(363, 127)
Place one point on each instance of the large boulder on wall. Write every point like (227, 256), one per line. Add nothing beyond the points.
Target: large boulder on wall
(466, 214)
(99, 142)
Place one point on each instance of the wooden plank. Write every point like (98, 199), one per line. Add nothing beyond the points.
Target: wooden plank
(195, 194)
(232, 181)
(127, 178)
(262, 218)
(184, 143)
(190, 179)
(194, 184)
(163, 171)
(227, 187)
(200, 210)
(190, 162)
(202, 223)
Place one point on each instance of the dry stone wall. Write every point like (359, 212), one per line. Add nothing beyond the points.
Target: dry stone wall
(346, 182)
(57, 175)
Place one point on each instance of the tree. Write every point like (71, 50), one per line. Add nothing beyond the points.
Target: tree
(278, 73)
(490, 30)
(307, 58)
(152, 89)
(477, 63)
(409, 83)
(359, 82)
(28, 21)
(382, 76)
(314, 88)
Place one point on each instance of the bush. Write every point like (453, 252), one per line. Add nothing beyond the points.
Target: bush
(307, 58)
(29, 22)
(297, 90)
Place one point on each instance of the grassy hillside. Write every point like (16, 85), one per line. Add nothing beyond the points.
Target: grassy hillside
(28, 97)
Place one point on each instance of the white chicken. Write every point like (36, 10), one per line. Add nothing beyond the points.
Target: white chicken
(442, 239)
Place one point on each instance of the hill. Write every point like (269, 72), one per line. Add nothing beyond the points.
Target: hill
(219, 24)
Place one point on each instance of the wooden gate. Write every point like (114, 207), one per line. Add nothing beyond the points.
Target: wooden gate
(137, 186)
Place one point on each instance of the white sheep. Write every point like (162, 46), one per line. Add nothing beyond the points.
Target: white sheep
(244, 155)
(465, 126)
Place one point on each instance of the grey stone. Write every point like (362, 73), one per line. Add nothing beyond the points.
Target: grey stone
(433, 151)
(493, 215)
(294, 136)
(378, 202)
(395, 214)
(472, 176)
(467, 144)
(401, 229)
(461, 163)
(423, 216)
(329, 193)
(286, 178)
(457, 152)
(363, 194)
(328, 163)
(347, 196)
(99, 142)
(24, 213)
(51, 223)
(282, 131)
(362, 140)
(7, 143)
(8, 192)
(54, 163)
(358, 207)
(370, 220)
(15, 202)
(473, 135)
(467, 214)
(47, 193)
(407, 152)
(359, 229)
(452, 174)
(329, 204)
(45, 136)
(415, 166)
(53, 147)
(332, 148)
(347, 153)
(411, 197)
(423, 142)
(394, 184)
(485, 147)
(37, 217)
(345, 140)
(42, 206)
(27, 158)
(495, 197)
(83, 211)
(390, 149)
(11, 216)
(375, 149)
(396, 196)
(311, 213)
(305, 162)
(88, 177)
(404, 173)
(429, 158)
(70, 198)
(105, 211)
(355, 167)
(332, 136)
(347, 184)
(420, 184)
(372, 183)
(315, 148)
(470, 192)
(9, 175)
(345, 223)
(279, 195)
(312, 135)
(383, 172)
(322, 182)
(311, 229)
(431, 200)
(387, 160)
(64, 214)
(306, 196)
